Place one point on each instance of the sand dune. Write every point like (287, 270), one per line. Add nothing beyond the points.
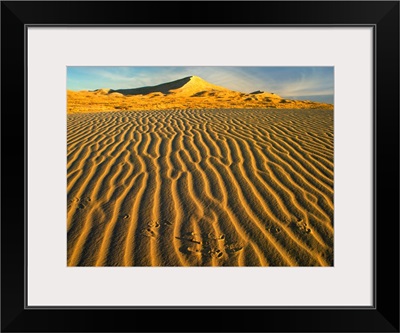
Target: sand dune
(187, 93)
(183, 87)
(200, 187)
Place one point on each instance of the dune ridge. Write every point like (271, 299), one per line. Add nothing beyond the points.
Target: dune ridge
(193, 187)
(183, 87)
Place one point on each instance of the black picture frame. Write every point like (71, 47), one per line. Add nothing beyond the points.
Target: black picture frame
(383, 316)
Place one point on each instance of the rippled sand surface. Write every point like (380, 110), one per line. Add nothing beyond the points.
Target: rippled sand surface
(200, 188)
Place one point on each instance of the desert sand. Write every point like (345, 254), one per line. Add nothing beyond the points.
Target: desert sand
(198, 186)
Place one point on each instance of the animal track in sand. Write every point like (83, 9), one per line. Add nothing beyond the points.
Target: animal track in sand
(301, 226)
(154, 225)
(81, 202)
(189, 239)
(274, 230)
(165, 222)
(149, 231)
(233, 248)
(209, 245)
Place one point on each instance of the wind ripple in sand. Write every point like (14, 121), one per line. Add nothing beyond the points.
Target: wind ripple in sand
(200, 188)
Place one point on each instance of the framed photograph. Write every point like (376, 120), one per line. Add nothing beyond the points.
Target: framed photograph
(173, 166)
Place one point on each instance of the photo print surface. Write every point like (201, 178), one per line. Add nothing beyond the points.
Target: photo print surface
(200, 166)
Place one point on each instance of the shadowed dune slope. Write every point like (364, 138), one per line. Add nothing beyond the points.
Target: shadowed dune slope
(200, 188)
(161, 88)
(184, 87)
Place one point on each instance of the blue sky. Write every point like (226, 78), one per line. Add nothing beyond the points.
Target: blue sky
(315, 83)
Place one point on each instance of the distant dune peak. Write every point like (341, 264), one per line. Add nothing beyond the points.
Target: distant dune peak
(198, 79)
(196, 85)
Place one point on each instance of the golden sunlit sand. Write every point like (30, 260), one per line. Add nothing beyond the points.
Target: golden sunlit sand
(200, 187)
